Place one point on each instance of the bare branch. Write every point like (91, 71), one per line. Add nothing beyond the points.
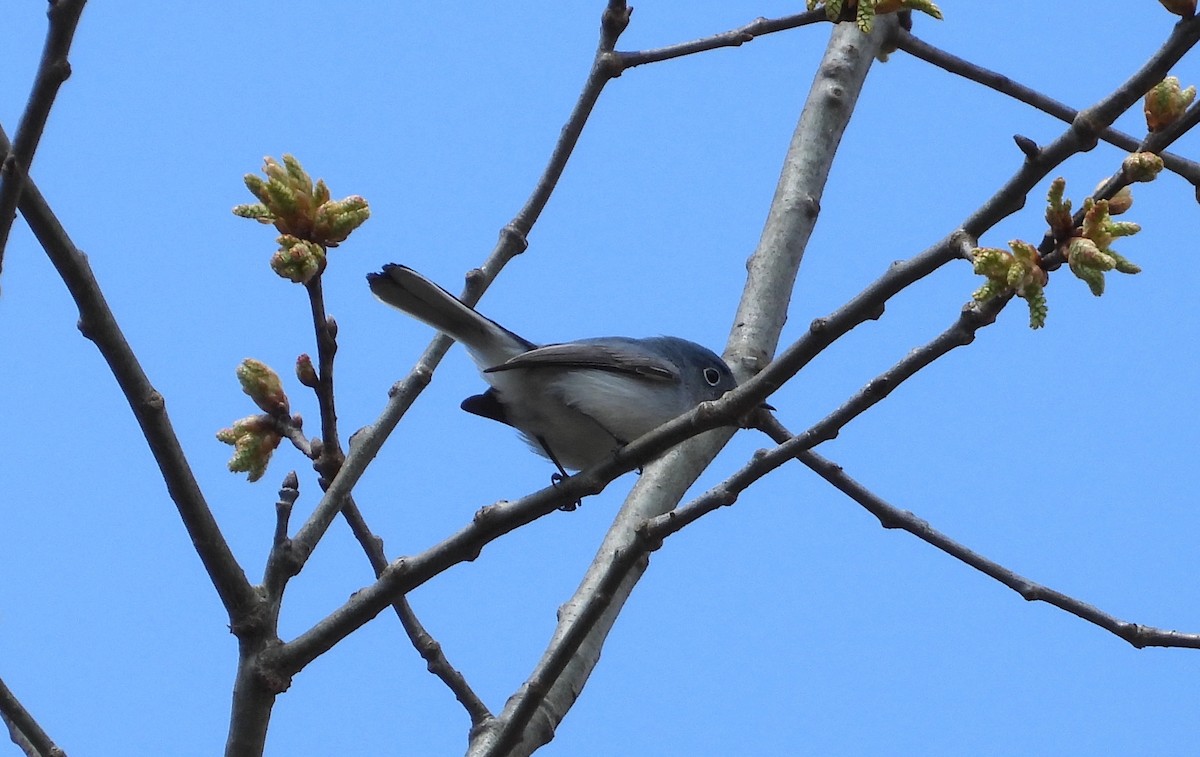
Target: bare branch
(890, 516)
(407, 573)
(97, 323)
(422, 641)
(732, 38)
(23, 729)
(783, 253)
(1189, 170)
(52, 72)
(1085, 129)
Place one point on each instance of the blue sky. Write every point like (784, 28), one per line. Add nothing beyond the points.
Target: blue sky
(790, 623)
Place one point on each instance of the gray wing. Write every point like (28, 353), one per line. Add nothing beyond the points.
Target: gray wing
(615, 355)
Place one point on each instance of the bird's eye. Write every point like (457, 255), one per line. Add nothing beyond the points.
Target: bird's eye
(712, 376)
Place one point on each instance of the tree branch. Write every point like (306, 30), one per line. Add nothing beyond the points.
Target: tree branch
(889, 516)
(97, 323)
(422, 641)
(407, 573)
(784, 256)
(23, 729)
(918, 48)
(52, 72)
(1085, 129)
(732, 38)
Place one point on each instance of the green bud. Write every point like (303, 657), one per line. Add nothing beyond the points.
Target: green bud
(1088, 263)
(991, 262)
(253, 439)
(991, 288)
(1058, 209)
(263, 386)
(257, 212)
(1123, 264)
(303, 213)
(297, 259)
(1166, 102)
(1035, 296)
(336, 220)
(1142, 166)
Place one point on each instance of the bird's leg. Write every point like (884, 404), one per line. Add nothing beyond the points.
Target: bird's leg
(560, 476)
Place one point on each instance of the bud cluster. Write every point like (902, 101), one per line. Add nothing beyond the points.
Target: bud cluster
(1086, 248)
(309, 222)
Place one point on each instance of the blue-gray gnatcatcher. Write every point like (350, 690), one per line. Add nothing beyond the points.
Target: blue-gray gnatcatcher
(577, 402)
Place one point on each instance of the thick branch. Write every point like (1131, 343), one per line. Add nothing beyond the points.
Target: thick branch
(97, 323)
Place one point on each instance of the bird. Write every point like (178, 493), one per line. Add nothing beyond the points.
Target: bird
(575, 403)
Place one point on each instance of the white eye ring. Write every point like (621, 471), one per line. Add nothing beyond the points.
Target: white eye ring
(712, 376)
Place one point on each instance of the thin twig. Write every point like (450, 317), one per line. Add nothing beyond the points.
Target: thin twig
(733, 38)
(288, 429)
(23, 728)
(325, 328)
(890, 516)
(1085, 129)
(906, 41)
(52, 72)
(422, 641)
